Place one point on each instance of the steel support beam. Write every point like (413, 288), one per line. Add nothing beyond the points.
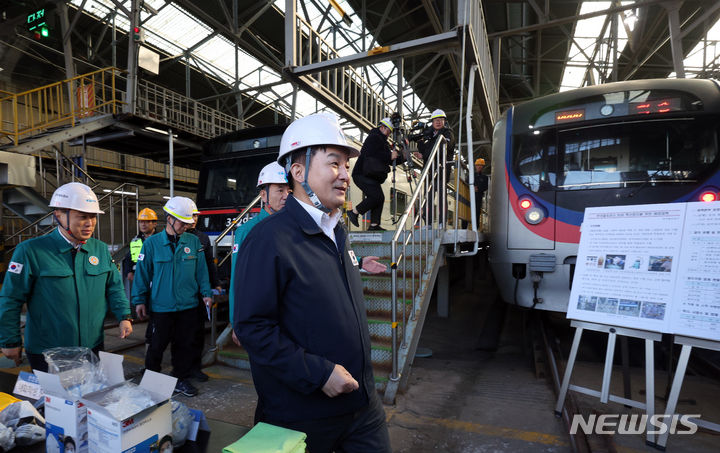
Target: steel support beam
(290, 35)
(415, 46)
(673, 11)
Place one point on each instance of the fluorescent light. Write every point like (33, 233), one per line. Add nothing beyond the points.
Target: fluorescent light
(232, 180)
(118, 192)
(153, 129)
(166, 197)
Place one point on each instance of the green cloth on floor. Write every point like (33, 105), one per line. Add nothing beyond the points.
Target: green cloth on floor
(266, 438)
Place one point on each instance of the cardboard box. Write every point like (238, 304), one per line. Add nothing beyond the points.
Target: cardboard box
(149, 430)
(65, 415)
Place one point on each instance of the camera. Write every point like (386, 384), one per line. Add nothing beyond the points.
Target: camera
(420, 131)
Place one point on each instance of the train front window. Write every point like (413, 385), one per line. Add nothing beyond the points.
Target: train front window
(230, 183)
(620, 155)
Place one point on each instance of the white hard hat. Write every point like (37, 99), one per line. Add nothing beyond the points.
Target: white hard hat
(272, 173)
(387, 123)
(313, 130)
(182, 208)
(77, 196)
(438, 114)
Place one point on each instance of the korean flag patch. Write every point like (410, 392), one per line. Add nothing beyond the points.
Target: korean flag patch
(141, 257)
(14, 267)
(236, 247)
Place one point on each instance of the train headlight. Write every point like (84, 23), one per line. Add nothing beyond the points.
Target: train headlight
(534, 215)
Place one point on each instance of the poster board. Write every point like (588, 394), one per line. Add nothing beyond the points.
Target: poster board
(651, 267)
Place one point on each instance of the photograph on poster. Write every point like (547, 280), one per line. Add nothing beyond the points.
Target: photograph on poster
(652, 310)
(586, 303)
(615, 262)
(607, 305)
(591, 261)
(635, 263)
(629, 308)
(660, 263)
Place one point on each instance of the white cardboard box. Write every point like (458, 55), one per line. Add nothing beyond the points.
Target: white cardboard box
(148, 430)
(66, 415)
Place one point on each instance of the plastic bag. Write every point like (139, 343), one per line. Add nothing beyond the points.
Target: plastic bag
(182, 420)
(7, 438)
(79, 369)
(126, 400)
(20, 413)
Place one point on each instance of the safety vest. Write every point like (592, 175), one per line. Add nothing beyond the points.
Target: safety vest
(135, 247)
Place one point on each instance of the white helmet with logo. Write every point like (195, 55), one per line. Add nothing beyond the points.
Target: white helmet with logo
(272, 173)
(387, 123)
(77, 196)
(182, 208)
(438, 114)
(314, 130)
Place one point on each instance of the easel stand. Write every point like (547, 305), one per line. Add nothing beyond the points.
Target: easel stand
(687, 345)
(604, 393)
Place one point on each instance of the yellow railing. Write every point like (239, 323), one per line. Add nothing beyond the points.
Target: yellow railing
(61, 103)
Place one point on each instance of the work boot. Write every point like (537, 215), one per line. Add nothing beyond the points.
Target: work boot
(186, 388)
(199, 376)
(353, 218)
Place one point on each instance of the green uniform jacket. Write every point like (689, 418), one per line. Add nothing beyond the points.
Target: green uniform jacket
(241, 233)
(170, 282)
(66, 301)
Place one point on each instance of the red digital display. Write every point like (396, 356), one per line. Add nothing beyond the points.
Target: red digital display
(569, 115)
(656, 106)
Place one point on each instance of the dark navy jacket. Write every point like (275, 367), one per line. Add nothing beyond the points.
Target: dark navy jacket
(299, 311)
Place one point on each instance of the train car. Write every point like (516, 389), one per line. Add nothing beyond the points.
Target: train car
(623, 143)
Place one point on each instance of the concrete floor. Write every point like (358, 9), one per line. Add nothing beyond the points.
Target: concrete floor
(460, 399)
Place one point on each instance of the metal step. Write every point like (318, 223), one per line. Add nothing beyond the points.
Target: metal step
(27, 204)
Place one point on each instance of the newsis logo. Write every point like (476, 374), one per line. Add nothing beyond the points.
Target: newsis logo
(634, 424)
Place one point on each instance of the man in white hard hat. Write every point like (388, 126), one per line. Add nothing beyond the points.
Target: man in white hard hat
(67, 279)
(430, 136)
(274, 190)
(370, 171)
(170, 274)
(302, 316)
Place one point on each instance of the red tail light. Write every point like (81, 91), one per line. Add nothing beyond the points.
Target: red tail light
(708, 197)
(525, 203)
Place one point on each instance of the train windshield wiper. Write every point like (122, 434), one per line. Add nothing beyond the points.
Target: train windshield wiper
(663, 165)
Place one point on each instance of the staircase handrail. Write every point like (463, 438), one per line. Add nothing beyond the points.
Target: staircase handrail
(232, 225)
(54, 104)
(430, 181)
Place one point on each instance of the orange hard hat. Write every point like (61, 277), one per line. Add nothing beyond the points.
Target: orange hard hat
(479, 161)
(147, 214)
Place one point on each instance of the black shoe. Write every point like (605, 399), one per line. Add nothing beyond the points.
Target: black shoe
(199, 376)
(353, 218)
(185, 387)
(376, 228)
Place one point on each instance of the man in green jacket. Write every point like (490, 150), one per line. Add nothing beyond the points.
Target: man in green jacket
(67, 279)
(170, 274)
(274, 190)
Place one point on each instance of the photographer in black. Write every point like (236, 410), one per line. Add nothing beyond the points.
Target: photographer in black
(431, 134)
(370, 171)
(426, 142)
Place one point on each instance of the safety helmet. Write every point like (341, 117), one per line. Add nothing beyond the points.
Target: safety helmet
(438, 114)
(272, 173)
(77, 196)
(313, 130)
(147, 214)
(182, 208)
(387, 123)
(195, 209)
(479, 161)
